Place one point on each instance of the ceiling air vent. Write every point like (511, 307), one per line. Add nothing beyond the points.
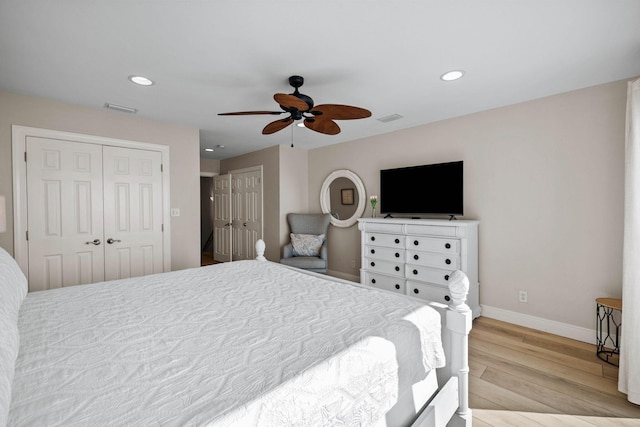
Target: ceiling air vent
(390, 118)
(120, 108)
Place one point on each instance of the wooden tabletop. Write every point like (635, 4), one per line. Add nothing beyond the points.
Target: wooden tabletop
(610, 302)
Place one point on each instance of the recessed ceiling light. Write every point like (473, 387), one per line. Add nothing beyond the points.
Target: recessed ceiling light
(209, 149)
(140, 80)
(452, 75)
(220, 146)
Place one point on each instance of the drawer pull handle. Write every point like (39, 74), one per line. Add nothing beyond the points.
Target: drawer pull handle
(397, 255)
(373, 281)
(447, 298)
(447, 261)
(416, 257)
(373, 238)
(397, 286)
(397, 268)
(448, 246)
(415, 291)
(415, 272)
(415, 242)
(373, 251)
(373, 264)
(397, 241)
(446, 277)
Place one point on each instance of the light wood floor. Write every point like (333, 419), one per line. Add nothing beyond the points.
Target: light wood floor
(523, 377)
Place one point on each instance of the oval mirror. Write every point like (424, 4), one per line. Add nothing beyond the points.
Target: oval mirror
(343, 196)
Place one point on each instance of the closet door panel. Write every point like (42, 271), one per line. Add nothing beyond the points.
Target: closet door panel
(132, 212)
(64, 200)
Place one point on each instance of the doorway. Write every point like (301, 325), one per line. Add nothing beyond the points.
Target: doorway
(206, 220)
(237, 214)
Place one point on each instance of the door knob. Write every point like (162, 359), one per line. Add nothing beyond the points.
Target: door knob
(95, 242)
(112, 241)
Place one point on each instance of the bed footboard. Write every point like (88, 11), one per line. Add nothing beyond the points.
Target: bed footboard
(450, 406)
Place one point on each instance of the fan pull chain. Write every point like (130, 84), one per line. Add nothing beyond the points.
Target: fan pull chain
(292, 126)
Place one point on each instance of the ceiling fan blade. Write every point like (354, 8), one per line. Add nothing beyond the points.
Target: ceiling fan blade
(326, 126)
(274, 127)
(340, 112)
(246, 113)
(290, 101)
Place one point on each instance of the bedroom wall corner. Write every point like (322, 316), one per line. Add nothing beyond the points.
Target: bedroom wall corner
(183, 142)
(294, 187)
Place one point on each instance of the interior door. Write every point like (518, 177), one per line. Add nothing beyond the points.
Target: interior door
(132, 212)
(246, 212)
(222, 244)
(64, 201)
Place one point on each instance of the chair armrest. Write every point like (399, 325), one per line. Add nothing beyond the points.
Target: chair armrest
(324, 252)
(288, 251)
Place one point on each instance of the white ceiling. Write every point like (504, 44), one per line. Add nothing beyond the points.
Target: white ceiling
(208, 57)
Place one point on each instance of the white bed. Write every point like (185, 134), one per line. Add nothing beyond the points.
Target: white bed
(243, 343)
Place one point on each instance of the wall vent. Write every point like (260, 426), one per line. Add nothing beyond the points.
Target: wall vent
(390, 118)
(120, 108)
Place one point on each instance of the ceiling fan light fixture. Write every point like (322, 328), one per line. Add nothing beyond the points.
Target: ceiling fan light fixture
(141, 80)
(452, 75)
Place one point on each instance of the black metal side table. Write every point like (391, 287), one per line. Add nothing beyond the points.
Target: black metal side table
(608, 324)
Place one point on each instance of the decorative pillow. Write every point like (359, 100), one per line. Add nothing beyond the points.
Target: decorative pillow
(13, 289)
(306, 244)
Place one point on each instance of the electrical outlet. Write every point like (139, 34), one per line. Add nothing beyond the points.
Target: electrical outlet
(353, 263)
(522, 296)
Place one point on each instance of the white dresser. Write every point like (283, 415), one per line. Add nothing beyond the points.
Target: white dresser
(416, 256)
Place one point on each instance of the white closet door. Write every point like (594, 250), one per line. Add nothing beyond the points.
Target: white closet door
(132, 212)
(246, 212)
(64, 182)
(222, 218)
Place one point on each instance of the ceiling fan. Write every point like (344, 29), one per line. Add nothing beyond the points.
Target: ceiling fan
(320, 118)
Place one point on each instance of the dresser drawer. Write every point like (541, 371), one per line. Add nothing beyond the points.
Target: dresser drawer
(432, 259)
(384, 253)
(428, 274)
(432, 244)
(388, 240)
(429, 292)
(384, 267)
(396, 284)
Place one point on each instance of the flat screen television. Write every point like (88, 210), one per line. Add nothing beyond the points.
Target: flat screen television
(426, 189)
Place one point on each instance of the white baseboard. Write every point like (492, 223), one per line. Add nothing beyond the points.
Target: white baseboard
(533, 322)
(345, 276)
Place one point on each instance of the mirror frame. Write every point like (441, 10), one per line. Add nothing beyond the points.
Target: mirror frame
(325, 198)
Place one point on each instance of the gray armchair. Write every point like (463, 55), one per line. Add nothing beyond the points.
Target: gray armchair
(313, 224)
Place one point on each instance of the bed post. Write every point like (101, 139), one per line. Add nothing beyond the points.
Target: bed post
(260, 246)
(459, 319)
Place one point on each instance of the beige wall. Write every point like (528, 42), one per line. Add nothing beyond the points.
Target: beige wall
(545, 180)
(294, 186)
(184, 155)
(209, 165)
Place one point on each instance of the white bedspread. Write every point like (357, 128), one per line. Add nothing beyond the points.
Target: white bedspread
(243, 343)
